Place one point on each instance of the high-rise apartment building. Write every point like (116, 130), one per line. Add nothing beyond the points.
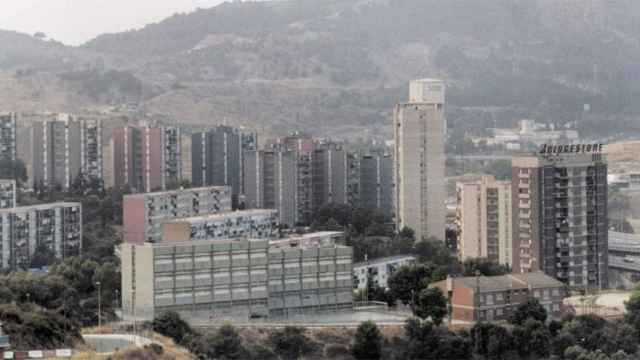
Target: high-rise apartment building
(419, 128)
(560, 214)
(229, 225)
(8, 194)
(483, 218)
(91, 161)
(8, 131)
(329, 175)
(64, 149)
(144, 214)
(146, 158)
(375, 179)
(217, 157)
(56, 228)
(237, 279)
(271, 183)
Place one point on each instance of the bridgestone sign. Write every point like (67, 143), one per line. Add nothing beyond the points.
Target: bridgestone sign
(572, 149)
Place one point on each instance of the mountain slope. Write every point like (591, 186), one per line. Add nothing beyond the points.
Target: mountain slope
(333, 67)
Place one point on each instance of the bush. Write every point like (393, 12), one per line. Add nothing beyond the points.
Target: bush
(171, 325)
(368, 342)
(291, 342)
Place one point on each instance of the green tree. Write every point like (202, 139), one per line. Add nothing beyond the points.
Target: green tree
(171, 325)
(406, 283)
(426, 341)
(632, 317)
(483, 266)
(431, 305)
(532, 338)
(291, 342)
(491, 341)
(226, 344)
(404, 241)
(531, 309)
(43, 256)
(367, 343)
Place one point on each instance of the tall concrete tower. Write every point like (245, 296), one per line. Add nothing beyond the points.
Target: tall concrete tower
(419, 129)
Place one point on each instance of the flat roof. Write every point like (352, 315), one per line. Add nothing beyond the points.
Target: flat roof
(224, 215)
(510, 281)
(39, 207)
(177, 191)
(384, 260)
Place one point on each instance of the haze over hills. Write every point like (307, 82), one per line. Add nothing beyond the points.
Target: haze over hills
(335, 67)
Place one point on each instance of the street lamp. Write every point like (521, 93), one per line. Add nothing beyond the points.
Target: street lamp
(98, 284)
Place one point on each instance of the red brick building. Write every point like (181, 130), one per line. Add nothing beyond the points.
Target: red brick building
(496, 297)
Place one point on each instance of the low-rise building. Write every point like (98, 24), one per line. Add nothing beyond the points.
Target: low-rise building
(497, 297)
(379, 270)
(144, 214)
(55, 228)
(245, 224)
(8, 194)
(234, 279)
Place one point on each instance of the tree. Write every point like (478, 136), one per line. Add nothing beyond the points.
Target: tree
(632, 317)
(43, 256)
(491, 341)
(532, 338)
(431, 305)
(368, 342)
(225, 344)
(404, 241)
(406, 283)
(171, 325)
(532, 309)
(484, 266)
(425, 341)
(291, 342)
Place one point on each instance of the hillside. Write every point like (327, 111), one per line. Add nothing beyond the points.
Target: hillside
(332, 67)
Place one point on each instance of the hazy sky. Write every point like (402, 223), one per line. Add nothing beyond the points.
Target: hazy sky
(76, 21)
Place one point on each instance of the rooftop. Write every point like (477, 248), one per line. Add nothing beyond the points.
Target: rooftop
(39, 207)
(384, 260)
(170, 192)
(226, 215)
(507, 282)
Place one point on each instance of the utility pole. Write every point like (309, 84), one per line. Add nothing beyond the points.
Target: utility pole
(98, 284)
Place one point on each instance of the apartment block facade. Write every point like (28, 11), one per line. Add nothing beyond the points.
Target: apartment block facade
(217, 157)
(494, 298)
(483, 219)
(329, 175)
(25, 230)
(375, 180)
(8, 136)
(234, 279)
(8, 194)
(560, 216)
(419, 129)
(379, 270)
(91, 159)
(146, 158)
(244, 224)
(271, 183)
(144, 214)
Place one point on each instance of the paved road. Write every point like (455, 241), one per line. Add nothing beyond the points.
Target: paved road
(108, 343)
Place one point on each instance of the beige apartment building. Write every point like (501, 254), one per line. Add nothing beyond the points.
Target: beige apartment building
(419, 128)
(483, 219)
(236, 279)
